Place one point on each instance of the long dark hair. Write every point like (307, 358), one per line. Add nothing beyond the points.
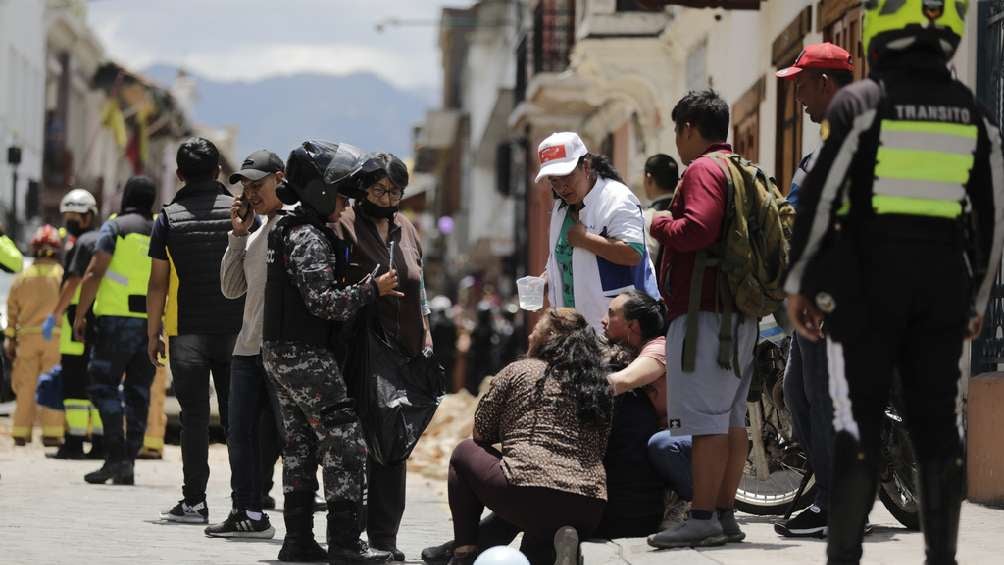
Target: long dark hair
(647, 311)
(574, 358)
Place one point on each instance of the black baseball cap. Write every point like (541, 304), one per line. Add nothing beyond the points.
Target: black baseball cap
(258, 165)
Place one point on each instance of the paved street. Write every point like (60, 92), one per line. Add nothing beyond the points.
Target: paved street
(51, 516)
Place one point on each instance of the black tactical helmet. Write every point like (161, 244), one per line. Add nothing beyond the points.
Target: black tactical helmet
(309, 168)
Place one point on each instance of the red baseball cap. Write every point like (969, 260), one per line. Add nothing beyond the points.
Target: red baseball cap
(822, 56)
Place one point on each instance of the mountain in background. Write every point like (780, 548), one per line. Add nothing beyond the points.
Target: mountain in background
(278, 113)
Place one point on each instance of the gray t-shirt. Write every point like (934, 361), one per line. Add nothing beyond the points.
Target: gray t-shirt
(243, 271)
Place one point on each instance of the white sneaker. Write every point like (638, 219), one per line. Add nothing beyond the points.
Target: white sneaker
(186, 514)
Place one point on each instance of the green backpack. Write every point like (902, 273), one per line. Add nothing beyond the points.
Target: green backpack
(751, 256)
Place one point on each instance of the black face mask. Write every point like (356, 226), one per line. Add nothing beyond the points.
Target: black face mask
(374, 211)
(74, 228)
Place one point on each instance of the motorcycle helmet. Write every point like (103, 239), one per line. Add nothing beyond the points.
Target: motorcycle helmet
(80, 201)
(313, 174)
(897, 25)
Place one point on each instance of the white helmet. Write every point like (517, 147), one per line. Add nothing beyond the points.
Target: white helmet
(502, 555)
(80, 201)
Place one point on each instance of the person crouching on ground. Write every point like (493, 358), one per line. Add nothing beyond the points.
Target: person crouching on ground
(551, 412)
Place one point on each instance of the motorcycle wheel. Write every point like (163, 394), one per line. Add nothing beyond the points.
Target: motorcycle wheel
(773, 496)
(899, 494)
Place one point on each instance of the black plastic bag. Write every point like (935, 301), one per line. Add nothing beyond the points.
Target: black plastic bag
(395, 395)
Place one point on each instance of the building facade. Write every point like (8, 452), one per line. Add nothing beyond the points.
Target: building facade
(22, 110)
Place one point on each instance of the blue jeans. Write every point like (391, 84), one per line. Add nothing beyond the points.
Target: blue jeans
(193, 357)
(120, 347)
(251, 398)
(807, 397)
(670, 455)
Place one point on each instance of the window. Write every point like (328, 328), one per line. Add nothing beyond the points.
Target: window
(789, 134)
(840, 21)
(746, 122)
(553, 35)
(788, 149)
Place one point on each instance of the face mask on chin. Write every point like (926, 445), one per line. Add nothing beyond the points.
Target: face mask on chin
(374, 211)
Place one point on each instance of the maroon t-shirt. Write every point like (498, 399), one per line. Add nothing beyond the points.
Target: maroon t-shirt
(698, 210)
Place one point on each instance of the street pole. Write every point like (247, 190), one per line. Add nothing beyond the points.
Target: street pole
(13, 159)
(13, 204)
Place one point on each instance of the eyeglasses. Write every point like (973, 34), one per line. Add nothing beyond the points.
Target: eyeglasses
(379, 191)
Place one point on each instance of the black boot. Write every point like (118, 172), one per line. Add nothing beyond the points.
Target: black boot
(298, 515)
(344, 545)
(72, 448)
(853, 489)
(97, 447)
(118, 472)
(940, 504)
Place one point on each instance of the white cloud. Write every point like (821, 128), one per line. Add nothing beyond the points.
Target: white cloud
(229, 42)
(247, 63)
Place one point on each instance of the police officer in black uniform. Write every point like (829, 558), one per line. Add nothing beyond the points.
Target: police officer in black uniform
(894, 253)
(304, 295)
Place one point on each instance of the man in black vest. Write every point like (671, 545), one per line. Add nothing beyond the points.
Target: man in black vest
(189, 239)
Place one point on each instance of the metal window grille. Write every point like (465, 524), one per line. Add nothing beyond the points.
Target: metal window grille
(988, 349)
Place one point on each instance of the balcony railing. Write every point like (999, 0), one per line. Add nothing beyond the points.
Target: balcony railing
(553, 35)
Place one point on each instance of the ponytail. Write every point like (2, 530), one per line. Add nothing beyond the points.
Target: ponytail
(603, 168)
(649, 312)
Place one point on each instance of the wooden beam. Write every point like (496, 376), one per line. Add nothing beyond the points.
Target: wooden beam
(789, 42)
(832, 10)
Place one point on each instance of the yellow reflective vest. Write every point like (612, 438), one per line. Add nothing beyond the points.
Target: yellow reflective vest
(123, 289)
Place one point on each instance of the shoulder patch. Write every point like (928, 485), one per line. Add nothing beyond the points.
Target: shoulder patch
(824, 129)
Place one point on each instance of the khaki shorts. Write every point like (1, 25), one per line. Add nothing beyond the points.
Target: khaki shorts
(711, 399)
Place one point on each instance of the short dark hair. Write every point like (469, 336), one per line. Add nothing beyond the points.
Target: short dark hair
(198, 159)
(664, 170)
(706, 111)
(841, 77)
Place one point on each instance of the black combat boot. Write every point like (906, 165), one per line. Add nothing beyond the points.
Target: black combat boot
(854, 484)
(119, 472)
(298, 515)
(940, 504)
(97, 447)
(344, 545)
(72, 448)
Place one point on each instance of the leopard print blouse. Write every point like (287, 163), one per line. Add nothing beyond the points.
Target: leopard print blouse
(543, 442)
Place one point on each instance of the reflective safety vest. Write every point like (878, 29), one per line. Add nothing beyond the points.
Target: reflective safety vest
(11, 259)
(123, 289)
(67, 344)
(922, 168)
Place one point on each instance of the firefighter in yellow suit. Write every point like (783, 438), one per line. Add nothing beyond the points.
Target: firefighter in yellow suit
(32, 297)
(156, 421)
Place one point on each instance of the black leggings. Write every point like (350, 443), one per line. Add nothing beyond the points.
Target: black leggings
(476, 480)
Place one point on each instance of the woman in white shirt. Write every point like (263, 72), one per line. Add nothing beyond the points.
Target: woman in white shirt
(597, 232)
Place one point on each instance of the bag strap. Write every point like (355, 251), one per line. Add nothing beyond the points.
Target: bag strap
(690, 338)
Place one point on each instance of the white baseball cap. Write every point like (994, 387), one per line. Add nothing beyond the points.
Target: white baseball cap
(559, 154)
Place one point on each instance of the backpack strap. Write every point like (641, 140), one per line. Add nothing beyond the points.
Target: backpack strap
(728, 346)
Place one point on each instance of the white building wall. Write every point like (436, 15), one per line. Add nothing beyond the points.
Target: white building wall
(738, 54)
(489, 70)
(22, 82)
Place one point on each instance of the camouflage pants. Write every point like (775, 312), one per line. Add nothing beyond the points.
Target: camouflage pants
(320, 423)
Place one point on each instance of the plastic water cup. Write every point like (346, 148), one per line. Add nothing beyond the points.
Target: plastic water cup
(531, 293)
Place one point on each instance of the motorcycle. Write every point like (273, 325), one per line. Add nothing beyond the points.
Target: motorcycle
(777, 478)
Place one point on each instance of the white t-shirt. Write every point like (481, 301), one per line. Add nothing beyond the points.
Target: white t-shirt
(611, 210)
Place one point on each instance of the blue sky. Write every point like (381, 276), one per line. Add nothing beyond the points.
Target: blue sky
(250, 39)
